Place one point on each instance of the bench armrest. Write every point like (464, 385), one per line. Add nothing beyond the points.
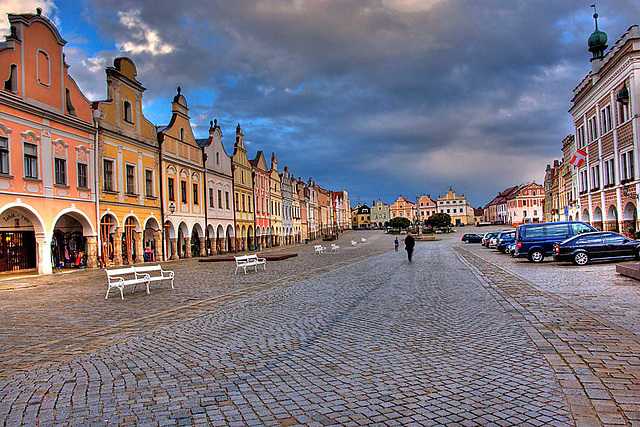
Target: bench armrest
(115, 279)
(144, 276)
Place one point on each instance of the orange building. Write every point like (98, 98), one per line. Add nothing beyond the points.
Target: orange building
(403, 208)
(47, 156)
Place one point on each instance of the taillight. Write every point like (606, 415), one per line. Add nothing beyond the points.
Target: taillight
(557, 249)
(519, 245)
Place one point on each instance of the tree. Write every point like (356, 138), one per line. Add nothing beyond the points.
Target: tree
(440, 220)
(399, 222)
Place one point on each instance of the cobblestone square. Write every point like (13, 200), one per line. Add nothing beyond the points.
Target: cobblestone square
(461, 336)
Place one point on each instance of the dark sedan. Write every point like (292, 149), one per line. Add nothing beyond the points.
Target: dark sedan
(599, 245)
(504, 240)
(472, 238)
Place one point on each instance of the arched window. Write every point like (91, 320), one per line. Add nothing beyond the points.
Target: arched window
(128, 115)
(11, 84)
(181, 134)
(43, 68)
(69, 104)
(217, 158)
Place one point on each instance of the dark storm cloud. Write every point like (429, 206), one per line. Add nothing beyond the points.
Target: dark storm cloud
(382, 97)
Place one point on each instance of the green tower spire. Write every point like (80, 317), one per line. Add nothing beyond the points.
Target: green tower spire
(597, 40)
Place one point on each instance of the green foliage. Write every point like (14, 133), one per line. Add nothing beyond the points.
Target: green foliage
(399, 222)
(439, 220)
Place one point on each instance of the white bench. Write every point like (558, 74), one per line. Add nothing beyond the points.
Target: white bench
(334, 247)
(354, 243)
(121, 277)
(362, 239)
(245, 261)
(319, 249)
(155, 273)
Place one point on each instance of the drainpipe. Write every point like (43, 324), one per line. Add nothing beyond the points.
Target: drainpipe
(161, 178)
(233, 201)
(206, 205)
(96, 121)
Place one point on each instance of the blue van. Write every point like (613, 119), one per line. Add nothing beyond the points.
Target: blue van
(534, 241)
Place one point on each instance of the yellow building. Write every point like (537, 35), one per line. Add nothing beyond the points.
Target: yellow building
(275, 196)
(182, 176)
(297, 216)
(457, 207)
(243, 194)
(128, 154)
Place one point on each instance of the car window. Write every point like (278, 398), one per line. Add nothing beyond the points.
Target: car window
(580, 228)
(614, 239)
(537, 231)
(557, 230)
(589, 240)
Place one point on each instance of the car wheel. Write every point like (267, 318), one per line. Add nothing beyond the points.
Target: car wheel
(581, 258)
(638, 253)
(536, 256)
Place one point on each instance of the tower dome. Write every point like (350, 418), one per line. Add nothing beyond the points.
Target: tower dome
(597, 40)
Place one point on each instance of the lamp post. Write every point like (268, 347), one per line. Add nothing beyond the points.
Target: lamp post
(418, 214)
(172, 209)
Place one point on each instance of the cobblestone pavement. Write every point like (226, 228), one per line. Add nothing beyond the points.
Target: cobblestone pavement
(596, 359)
(379, 342)
(54, 317)
(595, 287)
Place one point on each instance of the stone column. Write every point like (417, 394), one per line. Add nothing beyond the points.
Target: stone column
(139, 243)
(174, 248)
(117, 247)
(159, 250)
(203, 246)
(43, 245)
(187, 247)
(92, 252)
(213, 245)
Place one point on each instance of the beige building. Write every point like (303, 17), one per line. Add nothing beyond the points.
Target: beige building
(457, 207)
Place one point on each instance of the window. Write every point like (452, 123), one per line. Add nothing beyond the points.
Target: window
(4, 155)
(589, 240)
(626, 166)
(537, 231)
(60, 171)
(148, 183)
(580, 137)
(592, 128)
(183, 191)
(595, 177)
(217, 158)
(43, 68)
(609, 175)
(181, 134)
(614, 239)
(623, 112)
(584, 185)
(557, 230)
(70, 109)
(30, 161)
(82, 175)
(11, 84)
(172, 196)
(107, 172)
(195, 194)
(211, 205)
(226, 199)
(244, 206)
(249, 203)
(237, 199)
(605, 119)
(128, 116)
(131, 179)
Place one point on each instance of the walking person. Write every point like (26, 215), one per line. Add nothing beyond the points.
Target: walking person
(396, 243)
(409, 243)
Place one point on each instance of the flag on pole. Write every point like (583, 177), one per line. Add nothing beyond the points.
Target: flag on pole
(578, 159)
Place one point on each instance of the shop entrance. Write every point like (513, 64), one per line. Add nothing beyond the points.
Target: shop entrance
(68, 244)
(17, 250)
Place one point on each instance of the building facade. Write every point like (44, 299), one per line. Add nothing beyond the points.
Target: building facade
(426, 207)
(457, 207)
(128, 169)
(403, 208)
(218, 177)
(243, 194)
(605, 116)
(261, 184)
(362, 215)
(182, 168)
(275, 196)
(287, 207)
(526, 205)
(380, 214)
(48, 215)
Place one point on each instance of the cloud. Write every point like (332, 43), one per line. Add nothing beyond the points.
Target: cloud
(145, 39)
(351, 91)
(49, 9)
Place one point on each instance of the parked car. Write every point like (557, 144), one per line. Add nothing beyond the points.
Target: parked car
(472, 238)
(596, 246)
(535, 241)
(504, 239)
(487, 237)
(493, 241)
(511, 249)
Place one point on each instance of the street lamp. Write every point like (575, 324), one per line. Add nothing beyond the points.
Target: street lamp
(172, 209)
(418, 213)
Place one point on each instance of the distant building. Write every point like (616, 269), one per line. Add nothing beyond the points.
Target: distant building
(363, 217)
(380, 214)
(478, 215)
(457, 207)
(403, 208)
(426, 207)
(526, 204)
(551, 193)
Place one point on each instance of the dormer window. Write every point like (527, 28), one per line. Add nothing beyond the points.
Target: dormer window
(11, 84)
(69, 104)
(128, 115)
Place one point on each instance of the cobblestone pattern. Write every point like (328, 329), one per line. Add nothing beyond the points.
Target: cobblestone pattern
(64, 315)
(597, 361)
(595, 287)
(380, 342)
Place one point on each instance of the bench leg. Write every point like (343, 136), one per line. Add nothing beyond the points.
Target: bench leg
(264, 266)
(121, 294)
(107, 296)
(148, 288)
(172, 284)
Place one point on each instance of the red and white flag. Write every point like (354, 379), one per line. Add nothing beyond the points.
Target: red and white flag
(578, 158)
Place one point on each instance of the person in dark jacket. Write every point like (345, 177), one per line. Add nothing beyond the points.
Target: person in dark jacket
(409, 243)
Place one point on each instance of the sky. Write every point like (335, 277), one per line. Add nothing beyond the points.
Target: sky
(379, 97)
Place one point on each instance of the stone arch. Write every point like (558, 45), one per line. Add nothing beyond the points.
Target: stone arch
(74, 239)
(629, 215)
(151, 239)
(597, 219)
(183, 235)
(170, 241)
(81, 217)
(229, 235)
(197, 241)
(250, 238)
(38, 250)
(585, 215)
(220, 240)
